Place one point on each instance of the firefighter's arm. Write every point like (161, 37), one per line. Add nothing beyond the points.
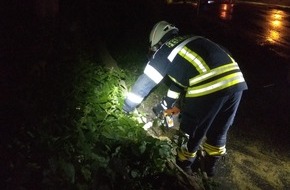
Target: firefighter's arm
(168, 104)
(140, 89)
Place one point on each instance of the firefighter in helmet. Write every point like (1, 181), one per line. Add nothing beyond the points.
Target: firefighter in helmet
(211, 81)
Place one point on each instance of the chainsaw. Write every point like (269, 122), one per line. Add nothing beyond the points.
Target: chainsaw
(168, 116)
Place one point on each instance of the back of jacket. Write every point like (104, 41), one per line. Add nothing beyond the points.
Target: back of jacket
(195, 64)
(199, 66)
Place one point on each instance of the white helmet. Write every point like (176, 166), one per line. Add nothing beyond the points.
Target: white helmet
(159, 31)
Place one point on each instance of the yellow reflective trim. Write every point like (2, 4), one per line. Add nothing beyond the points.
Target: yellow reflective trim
(172, 94)
(181, 157)
(175, 51)
(174, 80)
(194, 59)
(214, 150)
(214, 72)
(184, 154)
(232, 59)
(216, 85)
(189, 155)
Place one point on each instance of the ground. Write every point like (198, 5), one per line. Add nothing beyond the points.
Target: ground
(248, 164)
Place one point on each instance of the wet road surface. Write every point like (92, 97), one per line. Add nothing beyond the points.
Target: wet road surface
(258, 36)
(267, 26)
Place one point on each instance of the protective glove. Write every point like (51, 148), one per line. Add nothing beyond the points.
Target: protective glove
(125, 111)
(160, 108)
(128, 108)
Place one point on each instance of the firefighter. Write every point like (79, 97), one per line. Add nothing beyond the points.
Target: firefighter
(212, 84)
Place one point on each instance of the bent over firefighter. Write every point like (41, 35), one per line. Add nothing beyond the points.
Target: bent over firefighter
(211, 82)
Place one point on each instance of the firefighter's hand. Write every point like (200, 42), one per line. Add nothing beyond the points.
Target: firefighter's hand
(159, 108)
(172, 111)
(127, 107)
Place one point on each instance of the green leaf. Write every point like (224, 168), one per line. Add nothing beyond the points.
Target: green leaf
(101, 160)
(117, 150)
(142, 147)
(69, 170)
(86, 173)
(135, 173)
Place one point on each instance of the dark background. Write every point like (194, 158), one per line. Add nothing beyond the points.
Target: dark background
(37, 35)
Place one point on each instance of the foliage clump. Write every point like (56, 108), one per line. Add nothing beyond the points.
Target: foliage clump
(84, 140)
(113, 146)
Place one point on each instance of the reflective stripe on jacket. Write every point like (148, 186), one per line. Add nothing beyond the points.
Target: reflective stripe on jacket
(194, 64)
(202, 67)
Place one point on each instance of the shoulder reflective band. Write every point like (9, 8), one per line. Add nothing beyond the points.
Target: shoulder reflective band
(194, 59)
(134, 98)
(174, 80)
(153, 74)
(214, 150)
(213, 73)
(215, 85)
(172, 94)
(175, 51)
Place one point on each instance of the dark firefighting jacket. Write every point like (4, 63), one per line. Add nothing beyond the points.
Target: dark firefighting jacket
(195, 64)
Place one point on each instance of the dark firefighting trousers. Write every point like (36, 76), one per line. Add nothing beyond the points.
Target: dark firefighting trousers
(208, 117)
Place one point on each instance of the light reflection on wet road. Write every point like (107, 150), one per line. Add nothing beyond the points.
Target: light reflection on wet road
(267, 26)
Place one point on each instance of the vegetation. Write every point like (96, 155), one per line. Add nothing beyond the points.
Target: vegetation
(82, 139)
(63, 127)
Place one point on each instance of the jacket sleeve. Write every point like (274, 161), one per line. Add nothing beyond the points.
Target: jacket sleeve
(154, 72)
(173, 95)
(139, 91)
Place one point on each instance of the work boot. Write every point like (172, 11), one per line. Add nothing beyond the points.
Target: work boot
(185, 166)
(198, 164)
(184, 160)
(210, 164)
